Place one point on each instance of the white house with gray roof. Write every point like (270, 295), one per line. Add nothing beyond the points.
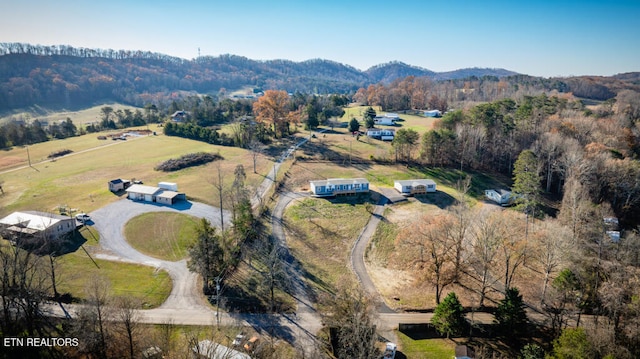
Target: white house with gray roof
(414, 186)
(339, 186)
(37, 224)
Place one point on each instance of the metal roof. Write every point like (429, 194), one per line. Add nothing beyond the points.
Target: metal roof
(140, 188)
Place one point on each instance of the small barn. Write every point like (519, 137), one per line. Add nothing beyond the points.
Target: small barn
(414, 187)
(118, 185)
(339, 186)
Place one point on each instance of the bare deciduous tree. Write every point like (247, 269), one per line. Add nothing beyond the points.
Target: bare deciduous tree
(127, 316)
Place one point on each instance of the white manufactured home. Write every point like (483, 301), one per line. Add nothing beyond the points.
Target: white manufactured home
(381, 134)
(413, 187)
(339, 186)
(500, 196)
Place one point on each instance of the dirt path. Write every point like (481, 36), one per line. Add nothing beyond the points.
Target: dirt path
(359, 250)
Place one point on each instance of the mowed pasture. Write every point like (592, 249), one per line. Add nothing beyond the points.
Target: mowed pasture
(162, 235)
(80, 118)
(79, 180)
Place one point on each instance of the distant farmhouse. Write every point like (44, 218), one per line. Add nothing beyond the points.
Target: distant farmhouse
(381, 134)
(165, 193)
(180, 116)
(500, 196)
(414, 187)
(34, 224)
(388, 119)
(433, 113)
(339, 186)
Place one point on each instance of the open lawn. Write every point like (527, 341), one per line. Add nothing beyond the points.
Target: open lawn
(425, 348)
(76, 269)
(418, 123)
(162, 235)
(80, 180)
(149, 285)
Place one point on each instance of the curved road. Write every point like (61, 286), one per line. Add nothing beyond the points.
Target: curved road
(110, 220)
(186, 305)
(360, 249)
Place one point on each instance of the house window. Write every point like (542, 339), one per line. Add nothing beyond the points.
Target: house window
(356, 186)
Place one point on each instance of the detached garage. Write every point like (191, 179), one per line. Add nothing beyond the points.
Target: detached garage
(161, 195)
(139, 192)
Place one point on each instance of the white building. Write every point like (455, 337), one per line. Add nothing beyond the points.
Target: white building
(500, 196)
(433, 113)
(381, 134)
(161, 194)
(37, 224)
(339, 186)
(413, 187)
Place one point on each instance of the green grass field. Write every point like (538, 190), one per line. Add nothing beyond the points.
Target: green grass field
(420, 124)
(149, 285)
(79, 118)
(162, 235)
(80, 180)
(426, 348)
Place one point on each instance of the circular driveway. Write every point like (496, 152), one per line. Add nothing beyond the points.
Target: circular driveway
(110, 220)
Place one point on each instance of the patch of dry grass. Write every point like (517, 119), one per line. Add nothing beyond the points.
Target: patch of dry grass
(320, 233)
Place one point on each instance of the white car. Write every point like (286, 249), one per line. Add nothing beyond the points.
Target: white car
(390, 351)
(83, 217)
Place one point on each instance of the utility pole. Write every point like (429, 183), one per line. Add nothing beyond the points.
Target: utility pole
(218, 300)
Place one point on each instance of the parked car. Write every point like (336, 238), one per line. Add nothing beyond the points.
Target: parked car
(390, 351)
(83, 217)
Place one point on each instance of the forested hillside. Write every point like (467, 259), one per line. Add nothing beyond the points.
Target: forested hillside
(64, 76)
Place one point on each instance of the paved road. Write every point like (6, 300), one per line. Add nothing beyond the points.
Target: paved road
(186, 304)
(110, 220)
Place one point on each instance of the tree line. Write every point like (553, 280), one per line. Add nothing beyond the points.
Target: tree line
(62, 76)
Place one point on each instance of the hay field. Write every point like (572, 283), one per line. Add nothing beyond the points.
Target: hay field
(80, 118)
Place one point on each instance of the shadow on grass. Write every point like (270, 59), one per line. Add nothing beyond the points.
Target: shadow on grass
(58, 247)
(440, 199)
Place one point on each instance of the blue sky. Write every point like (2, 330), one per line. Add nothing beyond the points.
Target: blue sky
(541, 38)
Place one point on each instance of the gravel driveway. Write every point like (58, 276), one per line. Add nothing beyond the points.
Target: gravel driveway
(110, 220)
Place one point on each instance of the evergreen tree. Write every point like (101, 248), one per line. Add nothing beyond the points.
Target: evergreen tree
(510, 315)
(207, 254)
(369, 115)
(526, 181)
(448, 317)
(354, 125)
